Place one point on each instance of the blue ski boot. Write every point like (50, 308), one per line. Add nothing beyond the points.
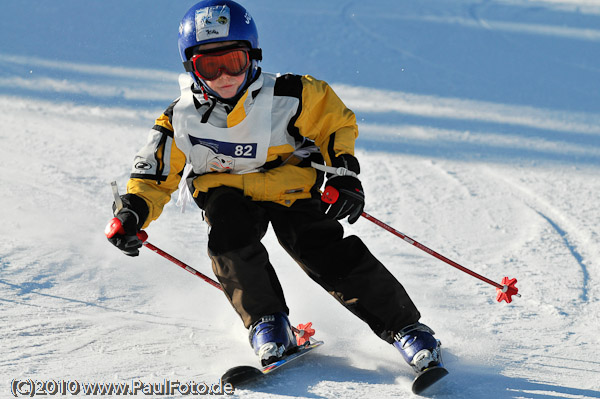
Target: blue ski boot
(271, 338)
(418, 347)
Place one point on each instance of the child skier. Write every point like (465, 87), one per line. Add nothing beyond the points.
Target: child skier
(251, 139)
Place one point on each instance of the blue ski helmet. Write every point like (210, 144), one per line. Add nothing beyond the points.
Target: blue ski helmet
(212, 21)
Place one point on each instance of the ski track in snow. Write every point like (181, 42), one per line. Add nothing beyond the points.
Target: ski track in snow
(576, 270)
(503, 187)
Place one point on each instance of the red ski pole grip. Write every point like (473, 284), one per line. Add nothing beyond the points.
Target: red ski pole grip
(113, 227)
(330, 195)
(142, 235)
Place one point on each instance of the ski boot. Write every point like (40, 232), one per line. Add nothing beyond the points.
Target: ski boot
(423, 353)
(271, 338)
(418, 347)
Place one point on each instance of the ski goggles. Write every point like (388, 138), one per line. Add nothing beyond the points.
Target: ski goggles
(209, 66)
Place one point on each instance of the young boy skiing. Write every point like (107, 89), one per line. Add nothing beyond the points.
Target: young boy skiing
(252, 139)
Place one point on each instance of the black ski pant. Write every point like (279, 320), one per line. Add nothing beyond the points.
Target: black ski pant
(342, 266)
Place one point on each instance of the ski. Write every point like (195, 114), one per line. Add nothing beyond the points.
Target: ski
(239, 376)
(427, 378)
(242, 375)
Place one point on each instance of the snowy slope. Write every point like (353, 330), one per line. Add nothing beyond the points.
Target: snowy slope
(480, 137)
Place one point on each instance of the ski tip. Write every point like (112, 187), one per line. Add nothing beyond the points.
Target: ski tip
(427, 378)
(240, 375)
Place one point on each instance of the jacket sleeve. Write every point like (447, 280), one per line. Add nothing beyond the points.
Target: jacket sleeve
(157, 168)
(326, 120)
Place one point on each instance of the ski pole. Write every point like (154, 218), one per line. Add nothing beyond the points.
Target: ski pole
(303, 331)
(115, 227)
(143, 236)
(505, 290)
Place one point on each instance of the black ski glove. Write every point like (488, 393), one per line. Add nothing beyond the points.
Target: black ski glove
(122, 230)
(343, 196)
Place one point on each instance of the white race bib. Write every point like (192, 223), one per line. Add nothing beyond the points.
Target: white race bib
(239, 149)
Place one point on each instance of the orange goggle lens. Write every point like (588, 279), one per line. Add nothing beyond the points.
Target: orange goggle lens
(212, 65)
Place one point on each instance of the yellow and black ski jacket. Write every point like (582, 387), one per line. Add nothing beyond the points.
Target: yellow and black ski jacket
(304, 110)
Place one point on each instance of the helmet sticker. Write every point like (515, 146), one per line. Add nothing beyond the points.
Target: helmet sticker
(212, 22)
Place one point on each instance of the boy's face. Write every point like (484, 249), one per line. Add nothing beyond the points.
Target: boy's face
(226, 86)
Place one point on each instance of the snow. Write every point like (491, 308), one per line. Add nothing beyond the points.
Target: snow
(480, 138)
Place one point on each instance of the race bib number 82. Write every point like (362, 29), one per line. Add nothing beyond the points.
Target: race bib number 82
(235, 150)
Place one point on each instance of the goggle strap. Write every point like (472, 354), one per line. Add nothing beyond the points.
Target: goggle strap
(255, 54)
(188, 65)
